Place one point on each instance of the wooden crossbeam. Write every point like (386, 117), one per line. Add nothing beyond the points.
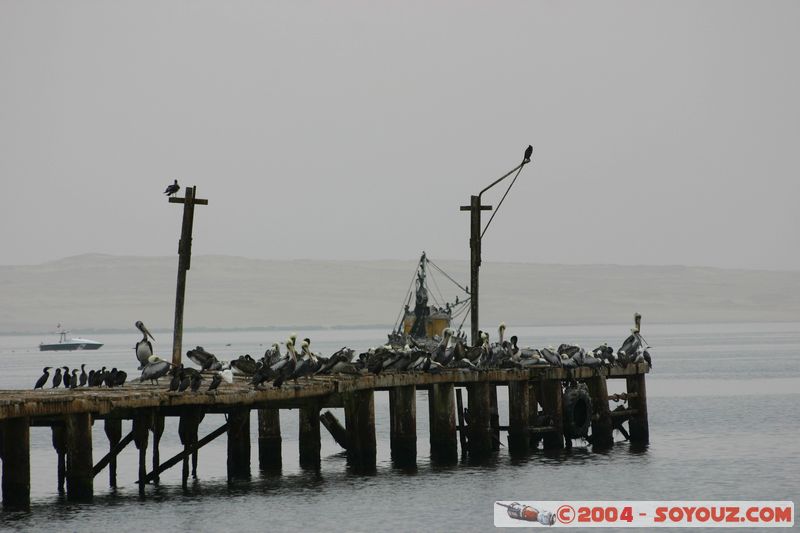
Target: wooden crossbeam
(111, 454)
(195, 201)
(469, 208)
(188, 450)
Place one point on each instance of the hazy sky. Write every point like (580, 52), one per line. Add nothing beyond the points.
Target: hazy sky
(664, 132)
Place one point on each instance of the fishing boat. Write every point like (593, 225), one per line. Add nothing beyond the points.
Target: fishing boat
(430, 315)
(67, 345)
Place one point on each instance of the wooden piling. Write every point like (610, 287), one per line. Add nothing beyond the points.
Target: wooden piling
(188, 425)
(533, 415)
(113, 431)
(637, 400)
(269, 440)
(16, 464)
(239, 443)
(141, 431)
(479, 427)
(602, 425)
(309, 443)
(462, 424)
(403, 424)
(335, 428)
(442, 417)
(80, 467)
(494, 417)
(359, 420)
(518, 417)
(158, 430)
(60, 445)
(552, 402)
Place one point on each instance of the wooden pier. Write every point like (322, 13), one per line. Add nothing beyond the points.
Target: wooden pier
(535, 415)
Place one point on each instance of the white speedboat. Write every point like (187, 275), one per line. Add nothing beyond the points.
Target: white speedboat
(71, 344)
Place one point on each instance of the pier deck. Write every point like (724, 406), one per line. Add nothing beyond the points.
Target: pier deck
(537, 398)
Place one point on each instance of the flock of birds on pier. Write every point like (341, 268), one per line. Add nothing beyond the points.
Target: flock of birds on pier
(449, 353)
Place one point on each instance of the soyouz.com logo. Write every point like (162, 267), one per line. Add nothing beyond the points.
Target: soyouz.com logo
(619, 514)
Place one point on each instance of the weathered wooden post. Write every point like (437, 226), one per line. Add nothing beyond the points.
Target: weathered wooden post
(269, 440)
(309, 443)
(158, 430)
(403, 424)
(113, 430)
(637, 400)
(479, 425)
(533, 414)
(552, 405)
(239, 443)
(519, 419)
(494, 417)
(359, 420)
(16, 464)
(60, 445)
(184, 263)
(602, 425)
(442, 417)
(141, 431)
(474, 209)
(188, 425)
(475, 236)
(80, 468)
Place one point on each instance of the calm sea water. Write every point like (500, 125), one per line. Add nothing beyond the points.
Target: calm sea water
(723, 407)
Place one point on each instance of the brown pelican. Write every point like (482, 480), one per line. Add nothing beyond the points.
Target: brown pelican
(42, 380)
(203, 359)
(155, 369)
(172, 189)
(143, 348)
(286, 371)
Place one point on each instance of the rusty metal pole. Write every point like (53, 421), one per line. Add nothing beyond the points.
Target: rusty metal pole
(184, 263)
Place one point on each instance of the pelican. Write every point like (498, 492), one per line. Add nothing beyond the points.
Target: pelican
(227, 375)
(172, 189)
(155, 369)
(287, 369)
(42, 380)
(144, 348)
(203, 359)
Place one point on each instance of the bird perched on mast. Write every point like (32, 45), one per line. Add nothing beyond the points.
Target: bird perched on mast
(526, 159)
(171, 190)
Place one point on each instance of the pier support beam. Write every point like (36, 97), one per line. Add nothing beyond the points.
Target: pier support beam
(158, 430)
(80, 467)
(403, 424)
(518, 417)
(269, 440)
(60, 445)
(113, 430)
(359, 420)
(309, 436)
(602, 425)
(16, 464)
(479, 427)
(552, 402)
(533, 414)
(141, 432)
(188, 425)
(442, 416)
(494, 417)
(637, 423)
(239, 443)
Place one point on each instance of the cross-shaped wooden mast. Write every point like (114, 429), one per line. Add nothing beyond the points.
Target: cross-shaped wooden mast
(475, 209)
(184, 263)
